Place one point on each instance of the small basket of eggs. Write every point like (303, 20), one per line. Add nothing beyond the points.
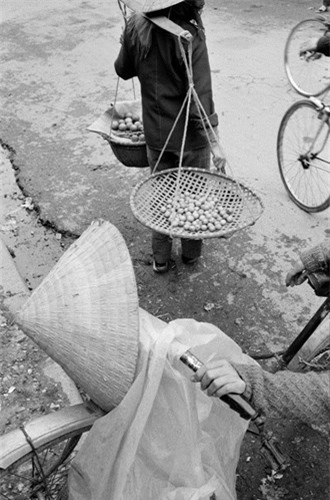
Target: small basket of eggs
(122, 127)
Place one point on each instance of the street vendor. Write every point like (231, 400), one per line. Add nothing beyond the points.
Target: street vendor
(153, 55)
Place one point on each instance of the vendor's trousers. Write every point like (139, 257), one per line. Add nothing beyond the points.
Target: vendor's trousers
(161, 243)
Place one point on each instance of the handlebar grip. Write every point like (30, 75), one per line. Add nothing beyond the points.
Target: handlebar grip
(235, 401)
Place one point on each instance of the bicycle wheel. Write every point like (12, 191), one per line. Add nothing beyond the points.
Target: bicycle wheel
(309, 74)
(41, 475)
(315, 354)
(304, 166)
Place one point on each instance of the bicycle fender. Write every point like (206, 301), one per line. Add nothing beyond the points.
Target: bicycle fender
(45, 429)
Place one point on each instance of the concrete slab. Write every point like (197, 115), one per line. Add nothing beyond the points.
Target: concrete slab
(14, 289)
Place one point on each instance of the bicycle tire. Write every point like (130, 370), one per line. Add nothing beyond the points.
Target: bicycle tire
(309, 76)
(315, 354)
(42, 473)
(23, 479)
(305, 176)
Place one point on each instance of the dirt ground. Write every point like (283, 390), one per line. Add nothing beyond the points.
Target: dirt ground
(26, 391)
(65, 178)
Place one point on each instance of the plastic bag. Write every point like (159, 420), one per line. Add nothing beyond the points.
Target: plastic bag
(166, 439)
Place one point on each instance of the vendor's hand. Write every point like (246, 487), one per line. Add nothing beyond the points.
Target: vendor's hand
(218, 160)
(296, 275)
(219, 378)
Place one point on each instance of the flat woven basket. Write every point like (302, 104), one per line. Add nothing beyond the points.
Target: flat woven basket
(159, 201)
(85, 315)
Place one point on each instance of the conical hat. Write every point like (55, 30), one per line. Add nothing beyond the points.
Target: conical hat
(84, 315)
(149, 5)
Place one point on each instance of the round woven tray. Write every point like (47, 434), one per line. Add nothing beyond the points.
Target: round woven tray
(153, 199)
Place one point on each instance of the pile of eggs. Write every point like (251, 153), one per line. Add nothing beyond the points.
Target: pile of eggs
(194, 213)
(130, 126)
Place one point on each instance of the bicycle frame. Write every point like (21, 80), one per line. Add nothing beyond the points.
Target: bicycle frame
(311, 154)
(319, 284)
(325, 119)
(305, 334)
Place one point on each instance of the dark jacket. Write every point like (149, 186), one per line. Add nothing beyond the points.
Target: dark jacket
(323, 45)
(153, 55)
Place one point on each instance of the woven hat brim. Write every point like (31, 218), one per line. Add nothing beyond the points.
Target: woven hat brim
(146, 6)
(84, 315)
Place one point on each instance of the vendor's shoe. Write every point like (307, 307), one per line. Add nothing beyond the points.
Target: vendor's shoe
(162, 268)
(189, 261)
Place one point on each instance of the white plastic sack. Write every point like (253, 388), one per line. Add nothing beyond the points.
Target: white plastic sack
(166, 439)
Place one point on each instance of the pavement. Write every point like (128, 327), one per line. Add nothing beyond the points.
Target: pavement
(58, 78)
(14, 289)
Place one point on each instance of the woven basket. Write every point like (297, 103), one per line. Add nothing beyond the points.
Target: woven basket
(153, 196)
(84, 315)
(130, 154)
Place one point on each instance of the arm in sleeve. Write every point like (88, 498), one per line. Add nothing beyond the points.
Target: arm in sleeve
(288, 394)
(124, 64)
(317, 258)
(323, 45)
(203, 87)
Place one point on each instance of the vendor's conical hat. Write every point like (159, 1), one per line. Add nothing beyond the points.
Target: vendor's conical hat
(85, 314)
(149, 5)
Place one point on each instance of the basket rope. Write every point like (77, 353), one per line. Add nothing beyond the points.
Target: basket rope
(123, 10)
(190, 95)
(152, 196)
(210, 186)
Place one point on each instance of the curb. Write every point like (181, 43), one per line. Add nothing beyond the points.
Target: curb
(15, 294)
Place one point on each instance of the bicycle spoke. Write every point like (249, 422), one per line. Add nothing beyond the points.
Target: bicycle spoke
(309, 74)
(23, 481)
(304, 156)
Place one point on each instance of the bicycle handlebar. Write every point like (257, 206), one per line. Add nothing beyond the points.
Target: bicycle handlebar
(236, 402)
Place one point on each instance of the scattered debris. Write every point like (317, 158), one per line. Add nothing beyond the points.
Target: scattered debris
(28, 204)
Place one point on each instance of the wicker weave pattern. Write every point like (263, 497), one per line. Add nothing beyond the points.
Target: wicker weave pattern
(162, 188)
(130, 154)
(84, 315)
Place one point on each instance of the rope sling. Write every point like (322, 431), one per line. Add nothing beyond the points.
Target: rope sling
(222, 204)
(157, 201)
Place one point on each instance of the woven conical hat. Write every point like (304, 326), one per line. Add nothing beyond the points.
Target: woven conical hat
(84, 315)
(149, 5)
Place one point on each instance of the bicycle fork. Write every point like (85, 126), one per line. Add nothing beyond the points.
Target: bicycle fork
(324, 116)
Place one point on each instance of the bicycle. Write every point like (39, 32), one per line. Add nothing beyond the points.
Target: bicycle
(303, 145)
(35, 459)
(311, 348)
